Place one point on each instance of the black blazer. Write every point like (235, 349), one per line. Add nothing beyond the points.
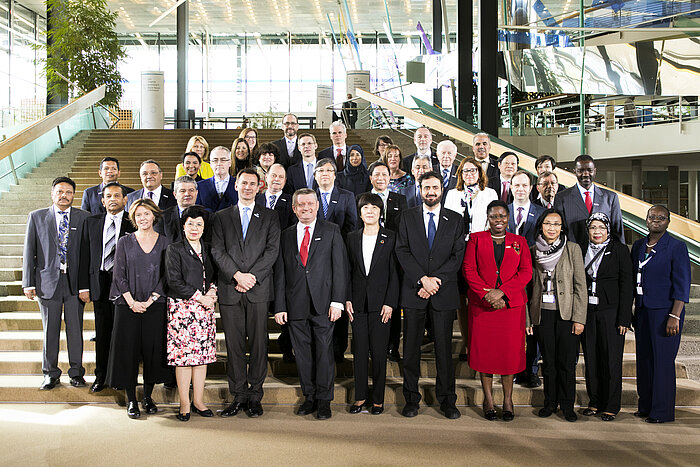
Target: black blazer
(92, 249)
(451, 184)
(492, 171)
(495, 183)
(169, 224)
(381, 286)
(208, 197)
(185, 273)
(284, 158)
(255, 255)
(407, 162)
(342, 210)
(296, 178)
(443, 260)
(355, 180)
(167, 198)
(395, 204)
(322, 281)
(614, 284)
(283, 207)
(570, 203)
(92, 199)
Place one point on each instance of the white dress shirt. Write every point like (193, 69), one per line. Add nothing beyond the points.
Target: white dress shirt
(306, 169)
(118, 218)
(291, 144)
(268, 195)
(58, 216)
(156, 194)
(249, 206)
(583, 191)
(368, 244)
(526, 209)
(426, 218)
(221, 184)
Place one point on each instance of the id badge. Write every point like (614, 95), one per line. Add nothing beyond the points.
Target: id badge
(592, 300)
(548, 298)
(639, 290)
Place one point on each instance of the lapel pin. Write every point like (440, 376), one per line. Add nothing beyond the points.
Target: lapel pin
(256, 215)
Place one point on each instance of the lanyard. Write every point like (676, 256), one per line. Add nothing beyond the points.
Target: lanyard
(594, 274)
(641, 266)
(548, 281)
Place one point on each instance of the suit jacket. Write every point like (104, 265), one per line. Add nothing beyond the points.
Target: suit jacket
(528, 228)
(185, 273)
(413, 199)
(322, 281)
(330, 153)
(495, 184)
(40, 260)
(395, 205)
(350, 113)
(407, 161)
(342, 210)
(570, 203)
(481, 272)
(380, 285)
(418, 260)
(170, 225)
(284, 158)
(614, 287)
(208, 197)
(92, 249)
(92, 199)
(283, 207)
(167, 198)
(666, 277)
(255, 255)
(296, 178)
(492, 171)
(572, 295)
(538, 202)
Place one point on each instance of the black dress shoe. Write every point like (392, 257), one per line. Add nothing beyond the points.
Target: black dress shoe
(324, 410)
(183, 417)
(308, 407)
(97, 386)
(254, 409)
(288, 357)
(490, 415)
(639, 414)
(78, 382)
(394, 355)
(508, 416)
(132, 409)
(452, 412)
(546, 412)
(149, 406)
(377, 409)
(49, 383)
(233, 409)
(608, 417)
(463, 357)
(589, 412)
(570, 416)
(652, 420)
(534, 382)
(202, 413)
(354, 408)
(410, 410)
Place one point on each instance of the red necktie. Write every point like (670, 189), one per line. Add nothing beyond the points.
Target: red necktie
(339, 160)
(588, 201)
(504, 193)
(304, 250)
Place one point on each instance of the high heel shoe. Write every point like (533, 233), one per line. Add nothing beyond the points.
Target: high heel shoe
(355, 408)
(183, 417)
(377, 409)
(202, 413)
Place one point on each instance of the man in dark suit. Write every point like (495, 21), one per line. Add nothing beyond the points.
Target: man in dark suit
(92, 197)
(185, 192)
(54, 272)
(423, 140)
(100, 235)
(245, 248)
(287, 148)
(447, 153)
(481, 147)
(522, 220)
(218, 192)
(419, 166)
(507, 166)
(350, 112)
(545, 164)
(301, 174)
(311, 276)
(338, 152)
(547, 188)
(151, 177)
(585, 198)
(430, 248)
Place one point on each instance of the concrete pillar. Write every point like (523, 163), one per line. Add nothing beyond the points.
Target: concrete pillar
(674, 188)
(610, 179)
(488, 78)
(693, 195)
(637, 178)
(465, 19)
(183, 33)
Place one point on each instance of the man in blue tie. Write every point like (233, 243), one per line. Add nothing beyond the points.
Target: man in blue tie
(446, 153)
(430, 257)
(245, 246)
(301, 174)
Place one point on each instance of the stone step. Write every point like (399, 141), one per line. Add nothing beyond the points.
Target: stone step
(17, 219)
(11, 288)
(11, 250)
(288, 391)
(10, 274)
(694, 290)
(11, 262)
(16, 230)
(10, 238)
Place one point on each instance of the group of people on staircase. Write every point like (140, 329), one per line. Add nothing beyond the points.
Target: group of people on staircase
(275, 230)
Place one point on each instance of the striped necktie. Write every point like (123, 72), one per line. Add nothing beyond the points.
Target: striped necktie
(109, 246)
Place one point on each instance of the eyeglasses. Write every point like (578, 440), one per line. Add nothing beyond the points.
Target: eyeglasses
(552, 224)
(325, 171)
(652, 217)
(219, 161)
(290, 123)
(470, 171)
(597, 228)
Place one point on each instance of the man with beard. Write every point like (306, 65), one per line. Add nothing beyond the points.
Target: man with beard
(430, 257)
(287, 147)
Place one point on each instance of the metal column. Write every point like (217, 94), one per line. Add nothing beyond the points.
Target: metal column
(183, 32)
(465, 36)
(437, 45)
(488, 78)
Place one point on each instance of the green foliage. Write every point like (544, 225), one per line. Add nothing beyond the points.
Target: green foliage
(84, 48)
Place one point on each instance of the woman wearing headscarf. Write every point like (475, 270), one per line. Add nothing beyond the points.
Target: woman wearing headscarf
(609, 280)
(354, 177)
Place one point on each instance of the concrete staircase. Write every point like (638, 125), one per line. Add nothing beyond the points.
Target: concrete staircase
(20, 321)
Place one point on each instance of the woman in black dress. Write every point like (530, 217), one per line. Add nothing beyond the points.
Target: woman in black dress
(373, 296)
(354, 177)
(139, 312)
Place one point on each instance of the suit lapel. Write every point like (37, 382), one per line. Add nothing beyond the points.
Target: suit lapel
(418, 222)
(333, 202)
(378, 247)
(359, 255)
(236, 222)
(316, 235)
(51, 225)
(440, 227)
(253, 224)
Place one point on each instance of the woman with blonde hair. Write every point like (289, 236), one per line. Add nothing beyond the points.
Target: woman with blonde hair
(199, 145)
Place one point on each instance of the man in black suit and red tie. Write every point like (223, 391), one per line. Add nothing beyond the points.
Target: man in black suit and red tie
(339, 150)
(430, 248)
(100, 235)
(311, 276)
(287, 146)
(507, 166)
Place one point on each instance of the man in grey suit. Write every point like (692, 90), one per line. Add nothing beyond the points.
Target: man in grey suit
(54, 272)
(245, 247)
(585, 198)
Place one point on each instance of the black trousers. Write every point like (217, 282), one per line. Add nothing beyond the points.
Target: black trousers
(559, 347)
(340, 336)
(602, 348)
(246, 320)
(370, 337)
(394, 329)
(414, 327)
(312, 339)
(104, 322)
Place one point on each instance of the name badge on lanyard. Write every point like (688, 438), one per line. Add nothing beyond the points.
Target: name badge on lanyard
(592, 298)
(548, 296)
(640, 290)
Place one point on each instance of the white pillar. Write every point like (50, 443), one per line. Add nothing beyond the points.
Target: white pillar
(693, 195)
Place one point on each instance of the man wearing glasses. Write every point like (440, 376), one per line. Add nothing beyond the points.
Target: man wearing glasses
(219, 191)
(287, 146)
(547, 187)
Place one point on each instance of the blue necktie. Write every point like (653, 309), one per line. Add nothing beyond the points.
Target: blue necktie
(63, 237)
(245, 220)
(445, 177)
(324, 204)
(431, 229)
(309, 177)
(273, 198)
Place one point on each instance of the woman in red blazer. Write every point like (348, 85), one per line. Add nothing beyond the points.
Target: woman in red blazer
(497, 267)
